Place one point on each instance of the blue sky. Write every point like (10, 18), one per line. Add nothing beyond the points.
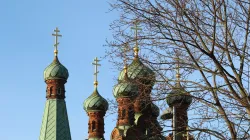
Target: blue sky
(26, 49)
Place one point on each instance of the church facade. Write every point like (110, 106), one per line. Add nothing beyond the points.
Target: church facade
(137, 114)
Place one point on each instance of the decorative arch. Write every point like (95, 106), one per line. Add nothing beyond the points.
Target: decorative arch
(123, 113)
(50, 90)
(93, 126)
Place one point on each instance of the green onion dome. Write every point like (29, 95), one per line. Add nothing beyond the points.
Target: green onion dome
(167, 114)
(95, 102)
(155, 110)
(125, 88)
(137, 70)
(56, 71)
(178, 95)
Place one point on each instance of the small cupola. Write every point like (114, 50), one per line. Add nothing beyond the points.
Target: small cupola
(95, 102)
(178, 94)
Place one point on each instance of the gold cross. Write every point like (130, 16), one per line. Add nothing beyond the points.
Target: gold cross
(136, 27)
(178, 75)
(95, 63)
(56, 40)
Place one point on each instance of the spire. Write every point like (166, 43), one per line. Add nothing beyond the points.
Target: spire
(136, 27)
(56, 34)
(95, 63)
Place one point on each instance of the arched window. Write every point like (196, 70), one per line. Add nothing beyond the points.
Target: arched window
(123, 113)
(50, 91)
(93, 126)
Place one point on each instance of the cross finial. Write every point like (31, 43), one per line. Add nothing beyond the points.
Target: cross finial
(136, 27)
(95, 63)
(178, 75)
(56, 34)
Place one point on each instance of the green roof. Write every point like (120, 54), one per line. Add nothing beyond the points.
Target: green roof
(178, 95)
(95, 102)
(137, 70)
(125, 88)
(56, 71)
(55, 124)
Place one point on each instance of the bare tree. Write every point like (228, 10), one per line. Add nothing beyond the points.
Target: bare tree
(213, 38)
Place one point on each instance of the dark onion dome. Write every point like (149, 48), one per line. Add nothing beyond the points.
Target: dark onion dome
(167, 114)
(137, 70)
(95, 102)
(178, 95)
(125, 88)
(155, 110)
(56, 71)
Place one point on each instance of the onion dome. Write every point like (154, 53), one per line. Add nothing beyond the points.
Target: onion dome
(56, 71)
(95, 102)
(137, 70)
(179, 95)
(155, 110)
(125, 87)
(167, 114)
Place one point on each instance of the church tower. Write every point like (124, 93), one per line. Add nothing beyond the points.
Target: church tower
(125, 92)
(146, 112)
(178, 100)
(96, 106)
(55, 124)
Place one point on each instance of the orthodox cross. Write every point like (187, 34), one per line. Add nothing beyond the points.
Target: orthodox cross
(95, 63)
(56, 34)
(178, 75)
(136, 27)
